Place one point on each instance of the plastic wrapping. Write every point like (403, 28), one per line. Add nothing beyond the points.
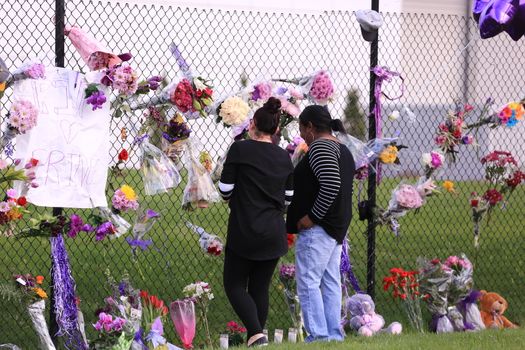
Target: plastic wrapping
(209, 243)
(462, 278)
(318, 87)
(200, 190)
(299, 153)
(174, 139)
(36, 313)
(184, 319)
(158, 172)
(363, 154)
(121, 225)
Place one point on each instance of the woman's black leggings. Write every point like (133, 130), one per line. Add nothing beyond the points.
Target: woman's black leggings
(246, 283)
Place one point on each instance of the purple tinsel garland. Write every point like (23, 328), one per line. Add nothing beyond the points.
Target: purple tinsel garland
(346, 268)
(64, 295)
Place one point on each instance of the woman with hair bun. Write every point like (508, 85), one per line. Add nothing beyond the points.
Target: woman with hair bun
(320, 213)
(257, 183)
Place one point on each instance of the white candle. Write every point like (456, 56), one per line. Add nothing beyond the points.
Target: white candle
(265, 332)
(278, 336)
(292, 335)
(224, 341)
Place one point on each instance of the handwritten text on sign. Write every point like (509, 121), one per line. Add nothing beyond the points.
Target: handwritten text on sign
(70, 141)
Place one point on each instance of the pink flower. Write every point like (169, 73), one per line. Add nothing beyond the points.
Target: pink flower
(298, 95)
(436, 160)
(3, 164)
(452, 260)
(440, 140)
(35, 71)
(182, 96)
(262, 91)
(290, 108)
(322, 88)
(125, 80)
(23, 116)
(12, 193)
(408, 197)
(468, 107)
(465, 264)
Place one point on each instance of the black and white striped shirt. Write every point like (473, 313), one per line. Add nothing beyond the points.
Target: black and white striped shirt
(323, 182)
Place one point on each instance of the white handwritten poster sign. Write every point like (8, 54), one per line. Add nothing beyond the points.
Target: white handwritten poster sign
(70, 141)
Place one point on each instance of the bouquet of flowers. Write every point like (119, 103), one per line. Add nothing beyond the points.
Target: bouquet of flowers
(503, 175)
(362, 153)
(432, 161)
(22, 117)
(111, 334)
(110, 224)
(12, 208)
(405, 286)
(30, 70)
(28, 290)
(318, 87)
(125, 199)
(509, 115)
(232, 111)
(290, 109)
(26, 174)
(292, 145)
(299, 152)
(174, 137)
(200, 293)
(199, 190)
(235, 333)
(183, 316)
(210, 244)
(452, 132)
(462, 280)
(159, 174)
(434, 283)
(144, 221)
(386, 150)
(287, 278)
(153, 311)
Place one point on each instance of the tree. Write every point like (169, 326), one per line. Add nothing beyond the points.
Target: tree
(354, 118)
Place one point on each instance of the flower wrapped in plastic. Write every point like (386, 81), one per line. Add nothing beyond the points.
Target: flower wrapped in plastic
(199, 190)
(111, 333)
(385, 150)
(13, 208)
(114, 223)
(287, 278)
(452, 132)
(125, 199)
(290, 108)
(462, 278)
(201, 294)
(318, 87)
(361, 152)
(159, 174)
(434, 284)
(232, 111)
(508, 115)
(144, 221)
(174, 138)
(209, 243)
(29, 70)
(184, 320)
(432, 161)
(22, 117)
(300, 151)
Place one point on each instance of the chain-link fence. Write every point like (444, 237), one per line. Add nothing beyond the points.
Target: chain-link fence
(442, 60)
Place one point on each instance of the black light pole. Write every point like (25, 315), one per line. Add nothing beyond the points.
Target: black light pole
(60, 14)
(371, 192)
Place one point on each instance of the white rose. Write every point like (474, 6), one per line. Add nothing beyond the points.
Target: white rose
(394, 115)
(426, 159)
(199, 85)
(210, 296)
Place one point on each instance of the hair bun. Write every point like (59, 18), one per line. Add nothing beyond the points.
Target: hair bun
(273, 105)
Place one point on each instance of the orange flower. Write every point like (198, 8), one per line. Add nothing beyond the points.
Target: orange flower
(39, 279)
(40, 292)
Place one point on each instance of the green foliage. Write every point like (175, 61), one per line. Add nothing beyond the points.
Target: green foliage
(354, 118)
(10, 293)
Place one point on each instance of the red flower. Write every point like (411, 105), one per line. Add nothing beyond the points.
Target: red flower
(123, 155)
(291, 240)
(403, 296)
(33, 161)
(182, 96)
(22, 201)
(435, 261)
(144, 295)
(493, 197)
(474, 203)
(457, 133)
(198, 93)
(515, 179)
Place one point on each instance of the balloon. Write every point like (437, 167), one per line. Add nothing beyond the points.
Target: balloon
(516, 28)
(495, 15)
(478, 7)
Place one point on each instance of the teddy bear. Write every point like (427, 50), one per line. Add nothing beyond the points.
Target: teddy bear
(364, 319)
(492, 307)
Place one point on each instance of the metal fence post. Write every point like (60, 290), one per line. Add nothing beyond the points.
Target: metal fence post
(59, 62)
(371, 192)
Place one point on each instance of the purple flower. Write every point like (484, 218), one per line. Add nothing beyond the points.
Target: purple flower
(142, 244)
(151, 214)
(122, 286)
(97, 99)
(262, 91)
(154, 82)
(287, 271)
(281, 90)
(75, 225)
(103, 230)
(35, 71)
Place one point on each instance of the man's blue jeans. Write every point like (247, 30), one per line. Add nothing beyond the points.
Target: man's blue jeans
(317, 263)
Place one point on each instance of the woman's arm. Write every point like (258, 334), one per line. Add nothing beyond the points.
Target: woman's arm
(229, 173)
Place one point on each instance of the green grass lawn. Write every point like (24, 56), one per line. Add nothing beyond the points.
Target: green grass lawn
(442, 227)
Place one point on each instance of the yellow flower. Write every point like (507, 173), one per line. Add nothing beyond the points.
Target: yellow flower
(2, 87)
(129, 193)
(388, 155)
(449, 186)
(40, 292)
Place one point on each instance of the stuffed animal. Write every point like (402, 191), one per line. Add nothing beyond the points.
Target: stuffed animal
(364, 319)
(492, 307)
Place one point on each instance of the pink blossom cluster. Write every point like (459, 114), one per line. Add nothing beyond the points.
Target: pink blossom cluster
(262, 91)
(322, 88)
(121, 202)
(107, 324)
(124, 79)
(457, 262)
(35, 71)
(23, 116)
(408, 197)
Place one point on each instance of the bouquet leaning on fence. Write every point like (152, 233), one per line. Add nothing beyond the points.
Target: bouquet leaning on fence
(175, 138)
(159, 174)
(209, 243)
(287, 278)
(28, 289)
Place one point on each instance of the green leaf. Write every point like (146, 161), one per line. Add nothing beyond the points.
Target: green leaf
(91, 89)
(118, 113)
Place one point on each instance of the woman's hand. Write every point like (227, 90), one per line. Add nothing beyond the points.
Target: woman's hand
(304, 223)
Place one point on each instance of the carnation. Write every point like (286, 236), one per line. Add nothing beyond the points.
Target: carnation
(234, 111)
(262, 91)
(322, 88)
(35, 71)
(408, 197)
(125, 80)
(182, 96)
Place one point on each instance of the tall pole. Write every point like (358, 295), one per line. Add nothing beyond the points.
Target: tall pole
(60, 20)
(372, 184)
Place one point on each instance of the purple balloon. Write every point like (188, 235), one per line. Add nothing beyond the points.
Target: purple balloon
(516, 27)
(496, 15)
(478, 7)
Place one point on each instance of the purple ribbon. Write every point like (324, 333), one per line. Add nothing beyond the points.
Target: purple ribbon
(383, 74)
(184, 67)
(64, 295)
(347, 271)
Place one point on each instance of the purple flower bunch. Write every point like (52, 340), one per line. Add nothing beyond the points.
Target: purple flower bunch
(107, 324)
(322, 88)
(35, 71)
(287, 271)
(22, 116)
(77, 225)
(176, 130)
(103, 230)
(122, 78)
(96, 99)
(151, 84)
(262, 91)
(293, 145)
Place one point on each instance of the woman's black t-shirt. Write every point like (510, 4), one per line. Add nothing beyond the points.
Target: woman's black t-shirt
(257, 179)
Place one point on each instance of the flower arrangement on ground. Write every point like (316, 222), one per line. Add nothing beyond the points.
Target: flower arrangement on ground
(235, 333)
(182, 313)
(201, 294)
(287, 278)
(13, 208)
(405, 287)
